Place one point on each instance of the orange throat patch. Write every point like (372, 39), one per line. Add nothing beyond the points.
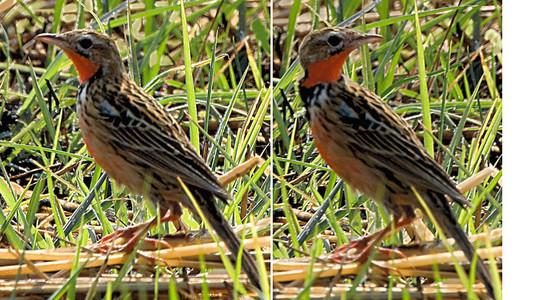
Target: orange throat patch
(325, 71)
(85, 68)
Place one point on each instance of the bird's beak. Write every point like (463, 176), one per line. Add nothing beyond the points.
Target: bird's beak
(365, 39)
(54, 39)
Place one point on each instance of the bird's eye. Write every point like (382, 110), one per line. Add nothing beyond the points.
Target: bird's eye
(334, 40)
(86, 43)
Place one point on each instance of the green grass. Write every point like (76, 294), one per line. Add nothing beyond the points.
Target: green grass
(420, 67)
(462, 109)
(184, 74)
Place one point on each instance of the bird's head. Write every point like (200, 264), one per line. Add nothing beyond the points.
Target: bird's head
(89, 50)
(323, 52)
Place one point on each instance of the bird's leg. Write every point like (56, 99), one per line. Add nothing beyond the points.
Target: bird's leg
(125, 239)
(181, 227)
(367, 243)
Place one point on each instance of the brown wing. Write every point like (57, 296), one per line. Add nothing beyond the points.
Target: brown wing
(388, 142)
(150, 136)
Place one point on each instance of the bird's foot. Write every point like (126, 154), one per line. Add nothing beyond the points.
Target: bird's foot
(125, 239)
(359, 250)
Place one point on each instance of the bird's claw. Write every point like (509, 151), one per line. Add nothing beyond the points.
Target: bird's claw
(358, 250)
(125, 240)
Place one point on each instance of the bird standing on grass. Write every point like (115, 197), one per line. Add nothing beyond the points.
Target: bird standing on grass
(139, 144)
(370, 146)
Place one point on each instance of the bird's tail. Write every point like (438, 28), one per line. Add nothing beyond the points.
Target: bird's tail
(442, 213)
(224, 231)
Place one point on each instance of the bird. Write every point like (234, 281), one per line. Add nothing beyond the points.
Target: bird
(371, 147)
(138, 143)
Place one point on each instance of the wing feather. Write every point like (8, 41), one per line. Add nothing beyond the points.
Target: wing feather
(150, 136)
(388, 142)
